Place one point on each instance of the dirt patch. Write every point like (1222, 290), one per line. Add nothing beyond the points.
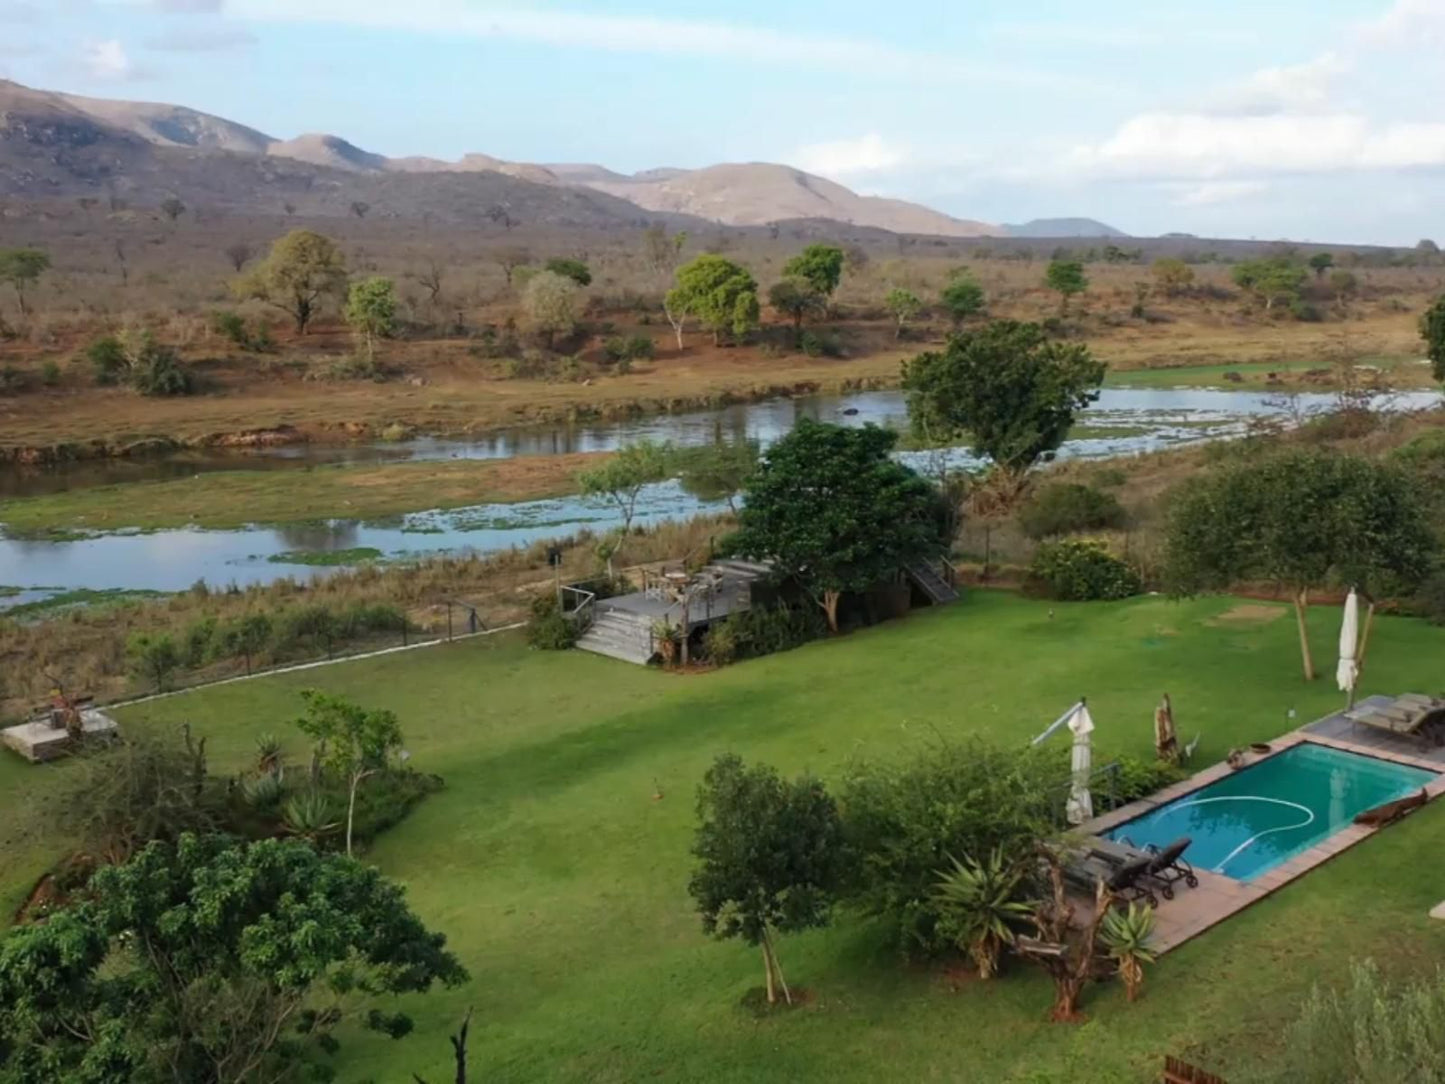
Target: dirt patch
(1248, 613)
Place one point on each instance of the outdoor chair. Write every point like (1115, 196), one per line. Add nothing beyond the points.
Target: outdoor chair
(1168, 867)
(1130, 882)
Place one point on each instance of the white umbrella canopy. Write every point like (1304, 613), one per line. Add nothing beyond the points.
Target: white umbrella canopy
(1080, 806)
(1348, 671)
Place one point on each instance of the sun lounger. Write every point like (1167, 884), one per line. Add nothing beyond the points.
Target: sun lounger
(1130, 882)
(1418, 718)
(1168, 868)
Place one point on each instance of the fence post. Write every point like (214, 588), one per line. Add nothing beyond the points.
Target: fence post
(449, 620)
(404, 624)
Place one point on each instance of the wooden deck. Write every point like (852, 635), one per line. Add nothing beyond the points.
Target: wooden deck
(1194, 910)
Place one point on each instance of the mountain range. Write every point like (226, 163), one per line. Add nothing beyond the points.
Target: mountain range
(64, 145)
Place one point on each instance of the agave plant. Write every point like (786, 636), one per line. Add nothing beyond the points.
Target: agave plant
(264, 791)
(1127, 936)
(268, 754)
(310, 815)
(979, 907)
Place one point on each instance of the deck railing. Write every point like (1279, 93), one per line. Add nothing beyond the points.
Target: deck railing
(576, 602)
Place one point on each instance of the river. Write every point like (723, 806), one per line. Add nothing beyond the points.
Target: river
(1123, 421)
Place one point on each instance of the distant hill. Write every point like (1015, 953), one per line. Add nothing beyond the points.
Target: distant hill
(1063, 227)
(67, 145)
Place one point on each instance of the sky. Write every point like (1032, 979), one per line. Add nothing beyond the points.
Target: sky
(1318, 120)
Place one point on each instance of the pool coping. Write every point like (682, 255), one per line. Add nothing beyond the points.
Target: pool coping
(1195, 910)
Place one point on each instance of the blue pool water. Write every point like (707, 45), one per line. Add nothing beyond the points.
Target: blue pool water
(1249, 822)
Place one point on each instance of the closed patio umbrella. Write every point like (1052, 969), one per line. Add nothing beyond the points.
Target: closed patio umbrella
(1348, 671)
(1080, 806)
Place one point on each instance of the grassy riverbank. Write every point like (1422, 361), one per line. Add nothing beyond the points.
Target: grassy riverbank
(563, 833)
(1401, 373)
(236, 498)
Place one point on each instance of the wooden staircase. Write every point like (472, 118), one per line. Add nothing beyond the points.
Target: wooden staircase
(619, 635)
(939, 591)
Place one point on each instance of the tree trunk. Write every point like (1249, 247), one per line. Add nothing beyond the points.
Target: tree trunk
(356, 779)
(19, 293)
(777, 968)
(768, 971)
(830, 607)
(1301, 603)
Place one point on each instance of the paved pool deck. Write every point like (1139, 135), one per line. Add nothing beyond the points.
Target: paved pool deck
(1194, 910)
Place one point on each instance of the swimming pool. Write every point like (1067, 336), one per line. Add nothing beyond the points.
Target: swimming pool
(1247, 823)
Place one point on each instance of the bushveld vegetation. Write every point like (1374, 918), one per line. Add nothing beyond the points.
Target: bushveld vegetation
(516, 325)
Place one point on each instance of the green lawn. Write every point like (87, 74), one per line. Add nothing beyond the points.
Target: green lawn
(560, 880)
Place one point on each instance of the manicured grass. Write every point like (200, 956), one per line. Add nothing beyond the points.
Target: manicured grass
(235, 498)
(560, 878)
(1401, 372)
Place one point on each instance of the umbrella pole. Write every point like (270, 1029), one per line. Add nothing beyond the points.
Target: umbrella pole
(1360, 654)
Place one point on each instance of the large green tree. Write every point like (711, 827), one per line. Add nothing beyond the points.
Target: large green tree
(718, 470)
(796, 299)
(821, 266)
(836, 513)
(22, 268)
(1302, 518)
(722, 295)
(962, 298)
(1432, 330)
(302, 269)
(769, 857)
(1008, 386)
(211, 960)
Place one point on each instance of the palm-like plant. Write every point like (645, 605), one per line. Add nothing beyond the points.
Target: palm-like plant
(1127, 936)
(268, 754)
(979, 907)
(264, 792)
(310, 815)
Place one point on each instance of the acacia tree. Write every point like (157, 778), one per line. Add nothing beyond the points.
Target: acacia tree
(1300, 518)
(1066, 278)
(350, 741)
(1432, 330)
(301, 270)
(576, 270)
(904, 305)
(1173, 275)
(622, 477)
(1321, 262)
(831, 508)
(820, 266)
(719, 470)
(511, 257)
(962, 298)
(371, 312)
(1008, 386)
(239, 255)
(22, 268)
(549, 303)
(796, 299)
(212, 960)
(720, 293)
(1272, 280)
(769, 858)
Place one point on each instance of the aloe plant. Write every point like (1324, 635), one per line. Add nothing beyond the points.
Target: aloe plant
(310, 815)
(979, 907)
(1127, 937)
(268, 754)
(264, 791)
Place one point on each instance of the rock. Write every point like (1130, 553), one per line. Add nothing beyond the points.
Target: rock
(1438, 911)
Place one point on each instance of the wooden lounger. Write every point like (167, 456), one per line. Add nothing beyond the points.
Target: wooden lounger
(1420, 718)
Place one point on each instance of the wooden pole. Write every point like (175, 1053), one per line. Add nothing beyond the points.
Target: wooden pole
(1360, 653)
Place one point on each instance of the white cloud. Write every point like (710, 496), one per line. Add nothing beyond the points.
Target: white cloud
(644, 34)
(1212, 192)
(1293, 87)
(108, 60)
(1201, 146)
(847, 157)
(1406, 23)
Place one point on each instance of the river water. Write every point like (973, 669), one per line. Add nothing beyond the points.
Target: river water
(1123, 421)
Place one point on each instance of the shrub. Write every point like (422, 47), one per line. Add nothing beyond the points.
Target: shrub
(722, 643)
(1138, 778)
(817, 344)
(107, 360)
(1081, 570)
(12, 380)
(1430, 600)
(903, 824)
(1064, 508)
(231, 326)
(765, 630)
(159, 373)
(632, 348)
(50, 374)
(1369, 1030)
(549, 628)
